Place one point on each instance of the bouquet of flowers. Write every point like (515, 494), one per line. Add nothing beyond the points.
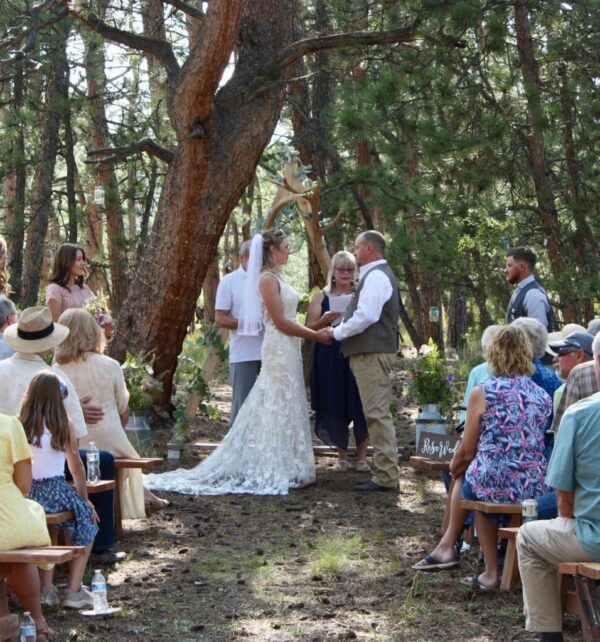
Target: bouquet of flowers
(432, 379)
(97, 306)
(140, 381)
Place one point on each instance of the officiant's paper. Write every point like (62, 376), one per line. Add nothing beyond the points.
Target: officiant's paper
(339, 304)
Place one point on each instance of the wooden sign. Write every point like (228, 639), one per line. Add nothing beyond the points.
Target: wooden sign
(435, 446)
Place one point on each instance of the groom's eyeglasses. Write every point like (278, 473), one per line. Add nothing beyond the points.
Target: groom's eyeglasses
(345, 270)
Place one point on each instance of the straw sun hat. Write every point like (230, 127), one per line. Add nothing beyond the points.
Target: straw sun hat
(35, 331)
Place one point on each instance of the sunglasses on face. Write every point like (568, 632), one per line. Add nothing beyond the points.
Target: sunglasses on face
(345, 270)
(563, 352)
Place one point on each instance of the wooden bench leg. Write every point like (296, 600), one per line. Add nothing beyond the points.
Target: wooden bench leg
(118, 516)
(510, 573)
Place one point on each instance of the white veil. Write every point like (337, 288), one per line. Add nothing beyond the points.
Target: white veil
(251, 321)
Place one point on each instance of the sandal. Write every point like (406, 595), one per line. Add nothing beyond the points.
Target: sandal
(341, 466)
(362, 466)
(430, 563)
(473, 582)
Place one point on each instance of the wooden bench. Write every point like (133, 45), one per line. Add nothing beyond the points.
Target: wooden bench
(429, 465)
(490, 508)
(9, 624)
(53, 519)
(435, 466)
(510, 572)
(570, 597)
(121, 464)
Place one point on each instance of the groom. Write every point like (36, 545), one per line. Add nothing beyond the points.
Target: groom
(369, 336)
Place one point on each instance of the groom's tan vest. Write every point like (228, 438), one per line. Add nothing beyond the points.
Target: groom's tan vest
(382, 336)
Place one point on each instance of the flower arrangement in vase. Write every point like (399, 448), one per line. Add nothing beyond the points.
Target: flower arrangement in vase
(140, 381)
(433, 379)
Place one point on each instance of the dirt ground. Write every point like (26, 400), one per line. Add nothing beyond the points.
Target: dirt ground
(322, 564)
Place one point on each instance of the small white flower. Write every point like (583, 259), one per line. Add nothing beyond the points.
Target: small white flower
(425, 349)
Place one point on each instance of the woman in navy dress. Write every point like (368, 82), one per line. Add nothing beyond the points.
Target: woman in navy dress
(334, 394)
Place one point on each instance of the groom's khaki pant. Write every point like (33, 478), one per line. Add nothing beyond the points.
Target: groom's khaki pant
(541, 547)
(372, 374)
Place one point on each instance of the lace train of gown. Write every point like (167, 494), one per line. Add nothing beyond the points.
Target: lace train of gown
(268, 450)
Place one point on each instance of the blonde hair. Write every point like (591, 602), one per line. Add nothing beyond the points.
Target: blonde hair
(339, 259)
(509, 352)
(43, 405)
(271, 238)
(4, 276)
(85, 336)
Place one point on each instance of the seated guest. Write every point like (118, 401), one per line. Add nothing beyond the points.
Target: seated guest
(574, 536)
(99, 377)
(501, 454)
(574, 349)
(593, 327)
(22, 521)
(334, 393)
(52, 440)
(8, 316)
(34, 336)
(478, 373)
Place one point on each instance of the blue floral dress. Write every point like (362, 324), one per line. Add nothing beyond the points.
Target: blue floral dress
(510, 465)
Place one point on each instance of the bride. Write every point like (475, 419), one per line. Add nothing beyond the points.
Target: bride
(268, 449)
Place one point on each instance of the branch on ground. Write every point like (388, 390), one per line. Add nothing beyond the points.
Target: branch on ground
(111, 154)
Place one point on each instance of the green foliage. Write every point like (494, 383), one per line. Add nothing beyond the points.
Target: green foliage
(140, 380)
(432, 379)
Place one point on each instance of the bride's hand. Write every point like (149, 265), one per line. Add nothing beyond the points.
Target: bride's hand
(328, 317)
(325, 336)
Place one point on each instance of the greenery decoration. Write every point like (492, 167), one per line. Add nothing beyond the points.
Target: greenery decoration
(432, 379)
(140, 380)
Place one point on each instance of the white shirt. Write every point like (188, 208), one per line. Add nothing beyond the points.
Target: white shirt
(16, 374)
(375, 293)
(535, 304)
(229, 299)
(47, 462)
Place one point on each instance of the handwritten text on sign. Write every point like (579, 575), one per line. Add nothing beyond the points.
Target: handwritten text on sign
(436, 446)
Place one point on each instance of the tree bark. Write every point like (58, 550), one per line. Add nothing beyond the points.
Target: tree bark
(13, 185)
(220, 143)
(538, 161)
(105, 172)
(41, 202)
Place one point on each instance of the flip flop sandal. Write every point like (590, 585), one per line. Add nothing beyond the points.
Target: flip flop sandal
(362, 466)
(474, 583)
(341, 466)
(434, 564)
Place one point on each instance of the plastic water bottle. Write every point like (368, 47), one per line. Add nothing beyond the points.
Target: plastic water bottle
(99, 593)
(27, 631)
(93, 463)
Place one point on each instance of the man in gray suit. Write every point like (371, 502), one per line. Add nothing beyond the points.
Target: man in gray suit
(369, 337)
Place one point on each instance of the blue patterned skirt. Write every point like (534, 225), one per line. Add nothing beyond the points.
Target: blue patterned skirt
(56, 496)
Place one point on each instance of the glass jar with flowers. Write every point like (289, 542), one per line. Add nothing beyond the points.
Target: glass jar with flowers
(432, 389)
(142, 385)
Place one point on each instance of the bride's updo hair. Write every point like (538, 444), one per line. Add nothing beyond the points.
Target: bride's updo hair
(271, 238)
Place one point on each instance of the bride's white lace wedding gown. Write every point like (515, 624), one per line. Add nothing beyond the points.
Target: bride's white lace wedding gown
(268, 450)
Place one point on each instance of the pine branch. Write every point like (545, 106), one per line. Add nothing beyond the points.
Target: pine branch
(185, 7)
(158, 48)
(111, 154)
(308, 46)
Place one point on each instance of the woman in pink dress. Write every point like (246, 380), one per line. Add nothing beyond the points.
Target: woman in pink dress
(66, 286)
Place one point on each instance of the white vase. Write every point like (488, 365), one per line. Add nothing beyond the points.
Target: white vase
(430, 420)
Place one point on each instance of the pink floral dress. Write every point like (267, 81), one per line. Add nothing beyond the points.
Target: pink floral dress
(510, 465)
(74, 297)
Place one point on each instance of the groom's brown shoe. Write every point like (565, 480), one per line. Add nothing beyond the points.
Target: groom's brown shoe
(371, 486)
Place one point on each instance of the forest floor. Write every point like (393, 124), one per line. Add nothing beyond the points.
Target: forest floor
(321, 564)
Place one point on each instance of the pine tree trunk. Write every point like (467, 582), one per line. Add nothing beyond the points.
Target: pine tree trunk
(105, 172)
(41, 198)
(220, 143)
(540, 169)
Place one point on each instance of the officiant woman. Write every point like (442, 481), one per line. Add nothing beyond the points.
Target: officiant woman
(334, 394)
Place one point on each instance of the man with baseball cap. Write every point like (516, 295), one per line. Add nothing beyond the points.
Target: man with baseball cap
(33, 337)
(574, 349)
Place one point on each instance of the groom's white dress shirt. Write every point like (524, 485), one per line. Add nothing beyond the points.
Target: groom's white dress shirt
(376, 291)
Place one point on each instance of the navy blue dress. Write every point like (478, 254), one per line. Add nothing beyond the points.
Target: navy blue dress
(334, 395)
